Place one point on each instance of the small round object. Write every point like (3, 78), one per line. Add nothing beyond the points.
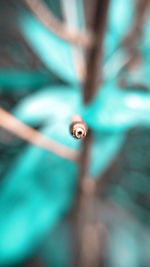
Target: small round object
(78, 127)
(79, 133)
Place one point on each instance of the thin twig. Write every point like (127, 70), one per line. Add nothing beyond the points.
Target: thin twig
(23, 131)
(136, 31)
(70, 17)
(131, 40)
(43, 13)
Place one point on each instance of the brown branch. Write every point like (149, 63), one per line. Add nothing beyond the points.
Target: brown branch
(136, 31)
(95, 53)
(94, 72)
(77, 50)
(23, 131)
(44, 14)
(85, 207)
(132, 38)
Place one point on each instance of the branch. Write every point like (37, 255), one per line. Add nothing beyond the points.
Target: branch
(23, 131)
(44, 14)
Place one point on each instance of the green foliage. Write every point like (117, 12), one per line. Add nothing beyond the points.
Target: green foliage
(38, 187)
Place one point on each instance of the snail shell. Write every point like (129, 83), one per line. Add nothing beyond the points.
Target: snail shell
(78, 127)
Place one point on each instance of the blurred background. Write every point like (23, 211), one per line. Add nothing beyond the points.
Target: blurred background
(66, 202)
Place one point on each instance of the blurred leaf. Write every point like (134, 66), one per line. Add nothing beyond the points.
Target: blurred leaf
(119, 20)
(34, 195)
(54, 52)
(124, 250)
(117, 110)
(17, 79)
(104, 149)
(52, 104)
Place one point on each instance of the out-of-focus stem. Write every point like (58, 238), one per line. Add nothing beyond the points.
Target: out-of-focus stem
(94, 70)
(95, 53)
(86, 193)
(71, 16)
